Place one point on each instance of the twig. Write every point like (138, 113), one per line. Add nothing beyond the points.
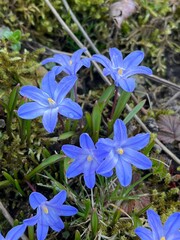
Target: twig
(68, 30)
(109, 83)
(9, 218)
(163, 81)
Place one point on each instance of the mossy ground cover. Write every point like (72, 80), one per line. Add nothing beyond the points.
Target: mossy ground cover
(32, 158)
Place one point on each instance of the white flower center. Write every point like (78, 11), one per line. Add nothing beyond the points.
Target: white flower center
(51, 101)
(120, 151)
(163, 238)
(70, 62)
(120, 71)
(89, 158)
(45, 209)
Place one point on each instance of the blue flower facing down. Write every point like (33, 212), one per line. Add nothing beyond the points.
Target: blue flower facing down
(170, 230)
(48, 213)
(86, 160)
(122, 152)
(50, 100)
(69, 65)
(15, 233)
(121, 70)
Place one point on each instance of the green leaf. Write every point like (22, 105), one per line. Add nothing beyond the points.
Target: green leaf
(134, 111)
(77, 235)
(94, 222)
(106, 96)
(48, 162)
(8, 177)
(96, 121)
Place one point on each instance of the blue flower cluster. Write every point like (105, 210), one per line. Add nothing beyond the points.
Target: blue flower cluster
(48, 215)
(49, 100)
(119, 153)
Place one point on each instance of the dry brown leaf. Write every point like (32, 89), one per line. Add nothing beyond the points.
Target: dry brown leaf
(121, 10)
(169, 128)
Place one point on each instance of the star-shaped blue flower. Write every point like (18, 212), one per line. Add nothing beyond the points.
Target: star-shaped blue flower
(121, 70)
(48, 213)
(122, 152)
(15, 233)
(86, 160)
(170, 230)
(50, 100)
(69, 65)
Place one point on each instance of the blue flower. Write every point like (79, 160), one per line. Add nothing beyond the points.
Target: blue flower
(15, 233)
(86, 159)
(170, 230)
(121, 69)
(69, 65)
(122, 152)
(48, 213)
(49, 101)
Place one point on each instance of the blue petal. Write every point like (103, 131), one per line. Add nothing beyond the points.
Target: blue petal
(63, 88)
(77, 55)
(50, 118)
(137, 70)
(102, 59)
(105, 144)
(172, 224)
(73, 151)
(100, 154)
(108, 164)
(174, 236)
(49, 84)
(57, 69)
(58, 225)
(133, 59)
(16, 232)
(144, 233)
(107, 71)
(124, 172)
(35, 94)
(31, 221)
(58, 199)
(120, 131)
(116, 57)
(155, 224)
(75, 168)
(2, 238)
(108, 174)
(90, 180)
(30, 110)
(86, 62)
(66, 210)
(137, 142)
(61, 59)
(86, 142)
(35, 199)
(136, 158)
(127, 84)
(42, 231)
(70, 109)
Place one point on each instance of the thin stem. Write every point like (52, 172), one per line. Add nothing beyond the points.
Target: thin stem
(30, 186)
(114, 102)
(92, 198)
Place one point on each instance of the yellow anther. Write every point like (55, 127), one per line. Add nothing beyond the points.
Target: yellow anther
(89, 158)
(70, 62)
(51, 101)
(120, 71)
(45, 209)
(163, 238)
(120, 151)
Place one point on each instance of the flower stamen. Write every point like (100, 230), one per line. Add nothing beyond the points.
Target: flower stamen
(89, 158)
(120, 71)
(70, 62)
(120, 151)
(51, 101)
(163, 238)
(45, 209)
